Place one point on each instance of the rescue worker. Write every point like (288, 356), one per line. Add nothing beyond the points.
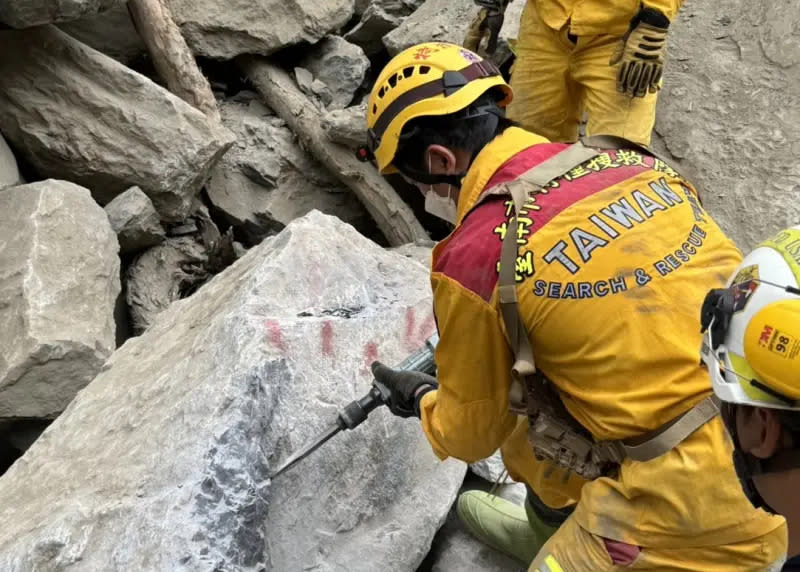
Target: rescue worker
(566, 302)
(599, 56)
(752, 349)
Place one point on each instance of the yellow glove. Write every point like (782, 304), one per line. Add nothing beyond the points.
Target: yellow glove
(487, 24)
(640, 54)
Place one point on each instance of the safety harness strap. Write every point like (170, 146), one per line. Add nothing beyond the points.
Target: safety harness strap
(531, 181)
(669, 435)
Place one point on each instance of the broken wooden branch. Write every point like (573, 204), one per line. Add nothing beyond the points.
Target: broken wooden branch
(171, 56)
(392, 215)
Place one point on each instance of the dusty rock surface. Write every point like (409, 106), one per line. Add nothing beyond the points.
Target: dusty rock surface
(27, 13)
(171, 445)
(379, 17)
(135, 220)
(340, 65)
(9, 171)
(59, 280)
(266, 180)
(730, 112)
(79, 115)
(111, 32)
(224, 30)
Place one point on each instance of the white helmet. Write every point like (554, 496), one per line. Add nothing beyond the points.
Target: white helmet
(752, 328)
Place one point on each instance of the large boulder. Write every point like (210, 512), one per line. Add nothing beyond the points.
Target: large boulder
(447, 21)
(377, 18)
(79, 115)
(224, 30)
(111, 32)
(340, 65)
(9, 171)
(730, 111)
(27, 13)
(267, 180)
(59, 280)
(135, 220)
(162, 462)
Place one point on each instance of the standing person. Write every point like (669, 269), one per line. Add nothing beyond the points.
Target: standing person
(604, 57)
(752, 349)
(566, 302)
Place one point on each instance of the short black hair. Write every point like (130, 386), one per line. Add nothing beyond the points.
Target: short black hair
(455, 131)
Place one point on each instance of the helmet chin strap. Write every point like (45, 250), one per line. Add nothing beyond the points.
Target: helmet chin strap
(428, 178)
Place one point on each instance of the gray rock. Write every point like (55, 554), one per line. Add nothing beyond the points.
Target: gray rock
(267, 180)
(161, 463)
(9, 171)
(419, 251)
(135, 220)
(111, 32)
(346, 126)
(340, 65)
(27, 13)
(447, 21)
(224, 30)
(490, 469)
(79, 115)
(379, 17)
(730, 112)
(59, 279)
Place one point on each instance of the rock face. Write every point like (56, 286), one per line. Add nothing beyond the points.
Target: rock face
(224, 30)
(111, 32)
(447, 21)
(9, 172)
(730, 112)
(59, 279)
(346, 126)
(490, 469)
(135, 221)
(340, 65)
(171, 445)
(27, 13)
(79, 115)
(378, 17)
(267, 180)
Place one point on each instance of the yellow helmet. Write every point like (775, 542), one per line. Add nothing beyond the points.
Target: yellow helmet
(426, 79)
(752, 342)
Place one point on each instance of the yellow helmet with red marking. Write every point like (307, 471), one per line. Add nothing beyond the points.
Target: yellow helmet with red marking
(426, 79)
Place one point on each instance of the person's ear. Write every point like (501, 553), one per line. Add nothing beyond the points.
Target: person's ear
(440, 160)
(769, 433)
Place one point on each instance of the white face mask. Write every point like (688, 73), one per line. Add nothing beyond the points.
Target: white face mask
(443, 207)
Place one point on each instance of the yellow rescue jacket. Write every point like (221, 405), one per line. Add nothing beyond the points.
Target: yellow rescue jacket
(615, 260)
(596, 17)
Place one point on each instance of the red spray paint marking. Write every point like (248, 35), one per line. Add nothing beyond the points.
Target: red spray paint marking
(427, 328)
(275, 335)
(370, 355)
(327, 338)
(410, 322)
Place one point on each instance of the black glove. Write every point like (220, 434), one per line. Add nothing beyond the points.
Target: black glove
(403, 385)
(487, 24)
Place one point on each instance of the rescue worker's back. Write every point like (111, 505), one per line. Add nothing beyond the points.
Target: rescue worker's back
(615, 258)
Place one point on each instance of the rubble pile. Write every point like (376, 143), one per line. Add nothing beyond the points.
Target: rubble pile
(195, 270)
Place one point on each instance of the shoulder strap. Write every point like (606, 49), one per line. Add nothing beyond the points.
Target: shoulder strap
(532, 180)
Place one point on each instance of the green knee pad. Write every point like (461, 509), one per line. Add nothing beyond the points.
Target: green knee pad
(503, 525)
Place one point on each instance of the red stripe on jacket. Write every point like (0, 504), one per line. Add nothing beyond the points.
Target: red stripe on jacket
(470, 255)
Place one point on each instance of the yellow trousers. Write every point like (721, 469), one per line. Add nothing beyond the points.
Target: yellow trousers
(555, 81)
(573, 549)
